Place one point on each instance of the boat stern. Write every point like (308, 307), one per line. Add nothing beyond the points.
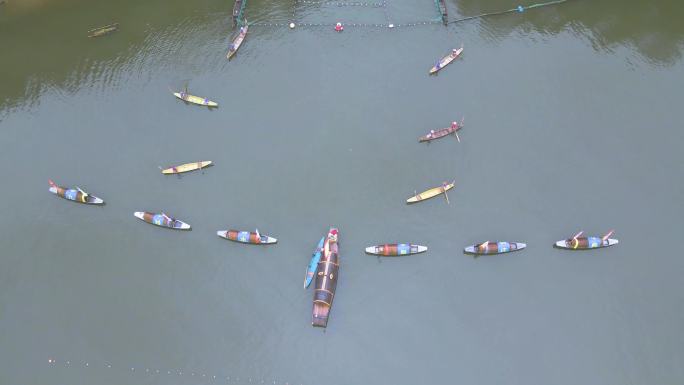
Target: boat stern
(140, 215)
(269, 240)
(421, 249)
(93, 200)
(520, 245)
(612, 241)
(180, 225)
(222, 234)
(371, 250)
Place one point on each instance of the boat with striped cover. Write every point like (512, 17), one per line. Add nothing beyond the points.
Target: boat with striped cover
(442, 132)
(187, 167)
(431, 193)
(161, 220)
(326, 280)
(395, 249)
(491, 247)
(74, 194)
(446, 60)
(578, 242)
(313, 264)
(252, 238)
(237, 42)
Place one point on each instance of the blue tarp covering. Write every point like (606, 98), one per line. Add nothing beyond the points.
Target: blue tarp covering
(243, 236)
(503, 247)
(71, 194)
(403, 248)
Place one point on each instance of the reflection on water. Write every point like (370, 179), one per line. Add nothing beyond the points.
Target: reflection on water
(48, 47)
(652, 27)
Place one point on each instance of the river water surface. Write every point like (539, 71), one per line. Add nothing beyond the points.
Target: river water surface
(572, 122)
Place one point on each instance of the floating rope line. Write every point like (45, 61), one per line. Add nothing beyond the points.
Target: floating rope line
(342, 3)
(518, 9)
(179, 373)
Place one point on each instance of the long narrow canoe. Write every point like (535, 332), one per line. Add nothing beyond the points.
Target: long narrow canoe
(161, 220)
(494, 248)
(74, 194)
(440, 133)
(394, 249)
(586, 243)
(195, 99)
(237, 42)
(326, 280)
(431, 193)
(313, 264)
(443, 62)
(104, 30)
(187, 167)
(253, 238)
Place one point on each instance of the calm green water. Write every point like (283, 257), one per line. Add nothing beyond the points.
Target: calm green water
(573, 122)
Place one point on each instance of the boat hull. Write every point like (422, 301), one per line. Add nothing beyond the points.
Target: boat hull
(431, 193)
(446, 60)
(187, 167)
(246, 237)
(75, 196)
(237, 42)
(394, 249)
(586, 243)
(313, 264)
(196, 100)
(326, 281)
(105, 30)
(494, 248)
(161, 221)
(442, 132)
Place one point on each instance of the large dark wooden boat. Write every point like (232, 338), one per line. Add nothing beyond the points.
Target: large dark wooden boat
(236, 10)
(326, 280)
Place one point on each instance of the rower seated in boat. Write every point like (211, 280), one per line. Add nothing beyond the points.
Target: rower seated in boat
(339, 27)
(454, 52)
(454, 124)
(243, 30)
(431, 134)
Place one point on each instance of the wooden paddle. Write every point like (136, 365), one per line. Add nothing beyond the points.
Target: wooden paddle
(578, 234)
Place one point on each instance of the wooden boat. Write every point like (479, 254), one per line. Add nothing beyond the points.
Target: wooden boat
(494, 248)
(433, 192)
(104, 30)
(443, 62)
(326, 280)
(187, 167)
(184, 96)
(394, 249)
(74, 194)
(313, 264)
(442, 132)
(443, 11)
(253, 238)
(161, 220)
(237, 42)
(585, 243)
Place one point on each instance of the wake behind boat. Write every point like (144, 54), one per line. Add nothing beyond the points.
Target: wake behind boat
(74, 194)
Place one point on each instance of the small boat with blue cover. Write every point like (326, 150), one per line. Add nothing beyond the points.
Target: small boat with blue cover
(395, 249)
(161, 220)
(253, 238)
(74, 194)
(326, 280)
(313, 264)
(490, 247)
(578, 242)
